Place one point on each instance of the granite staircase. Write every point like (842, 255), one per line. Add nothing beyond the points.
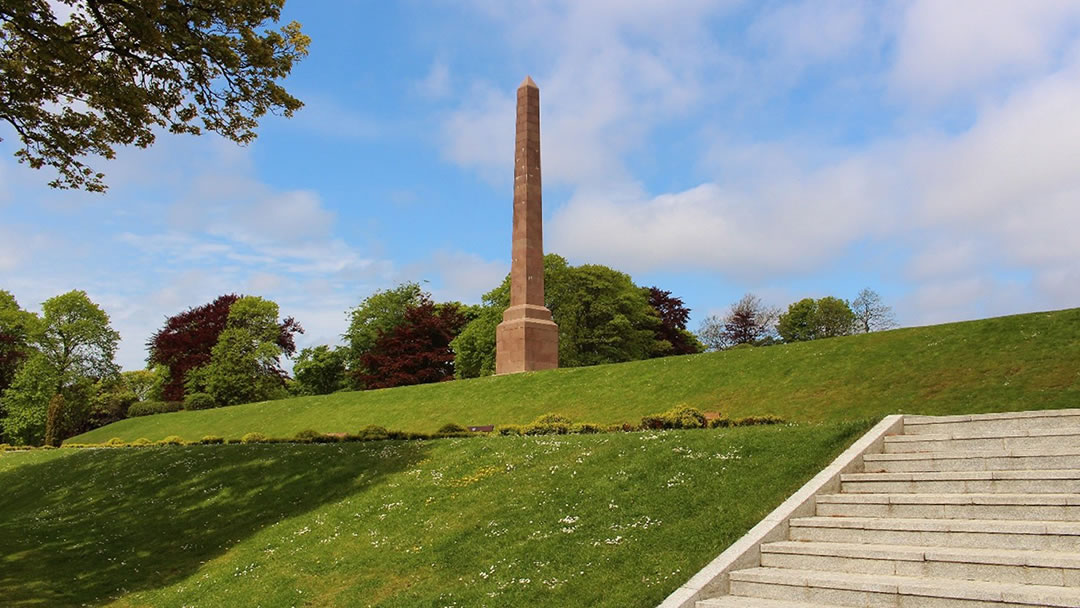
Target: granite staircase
(957, 512)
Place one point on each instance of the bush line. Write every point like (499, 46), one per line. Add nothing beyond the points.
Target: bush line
(680, 417)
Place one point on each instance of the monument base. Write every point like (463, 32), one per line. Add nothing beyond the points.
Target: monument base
(526, 340)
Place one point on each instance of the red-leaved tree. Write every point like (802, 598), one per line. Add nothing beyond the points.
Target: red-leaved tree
(417, 350)
(188, 337)
(673, 317)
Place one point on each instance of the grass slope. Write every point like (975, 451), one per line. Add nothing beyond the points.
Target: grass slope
(1027, 361)
(587, 520)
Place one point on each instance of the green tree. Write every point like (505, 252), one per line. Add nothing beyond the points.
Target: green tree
(378, 314)
(602, 316)
(320, 370)
(118, 71)
(76, 346)
(245, 362)
(810, 319)
(16, 330)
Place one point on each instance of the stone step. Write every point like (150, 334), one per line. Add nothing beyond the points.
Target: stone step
(1042, 507)
(846, 589)
(920, 425)
(1058, 536)
(1050, 481)
(994, 565)
(730, 601)
(912, 462)
(1000, 441)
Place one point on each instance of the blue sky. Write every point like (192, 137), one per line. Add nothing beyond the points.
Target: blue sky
(929, 150)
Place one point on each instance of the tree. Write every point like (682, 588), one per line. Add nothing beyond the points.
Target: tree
(118, 71)
(749, 321)
(26, 401)
(870, 313)
(54, 421)
(16, 328)
(245, 363)
(810, 319)
(417, 350)
(186, 341)
(320, 370)
(672, 329)
(380, 312)
(602, 316)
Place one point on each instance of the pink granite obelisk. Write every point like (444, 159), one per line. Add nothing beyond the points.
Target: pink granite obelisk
(527, 339)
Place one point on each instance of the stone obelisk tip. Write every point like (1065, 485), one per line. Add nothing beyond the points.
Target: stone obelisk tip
(528, 82)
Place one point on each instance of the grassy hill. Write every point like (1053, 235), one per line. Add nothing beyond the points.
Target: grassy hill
(616, 519)
(1027, 361)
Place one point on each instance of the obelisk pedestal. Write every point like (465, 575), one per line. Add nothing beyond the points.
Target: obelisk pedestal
(527, 339)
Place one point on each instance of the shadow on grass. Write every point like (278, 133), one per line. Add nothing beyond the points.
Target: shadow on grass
(90, 527)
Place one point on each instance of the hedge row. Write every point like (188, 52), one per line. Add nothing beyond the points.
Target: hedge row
(548, 424)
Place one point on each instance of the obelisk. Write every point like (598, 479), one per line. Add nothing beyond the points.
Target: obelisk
(527, 339)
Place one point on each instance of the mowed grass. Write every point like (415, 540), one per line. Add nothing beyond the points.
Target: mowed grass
(1018, 362)
(616, 519)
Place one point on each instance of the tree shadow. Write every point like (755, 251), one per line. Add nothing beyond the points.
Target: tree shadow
(98, 524)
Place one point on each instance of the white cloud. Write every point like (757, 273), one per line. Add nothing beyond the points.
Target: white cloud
(960, 46)
(436, 84)
(806, 32)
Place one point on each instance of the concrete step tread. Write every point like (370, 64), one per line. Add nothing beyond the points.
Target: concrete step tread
(961, 455)
(737, 601)
(986, 526)
(998, 434)
(953, 499)
(1000, 557)
(917, 419)
(964, 475)
(1035, 595)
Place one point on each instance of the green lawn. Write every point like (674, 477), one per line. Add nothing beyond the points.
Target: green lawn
(584, 520)
(1027, 361)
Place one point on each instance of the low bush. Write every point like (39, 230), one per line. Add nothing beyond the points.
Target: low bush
(307, 436)
(4, 447)
(553, 428)
(254, 438)
(586, 428)
(508, 430)
(757, 420)
(116, 442)
(173, 440)
(211, 440)
(199, 401)
(373, 432)
(679, 417)
(552, 419)
(452, 429)
(147, 408)
(141, 442)
(722, 422)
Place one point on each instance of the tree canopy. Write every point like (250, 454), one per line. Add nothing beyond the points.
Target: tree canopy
(378, 314)
(871, 314)
(672, 329)
(417, 350)
(749, 321)
(810, 319)
(603, 317)
(117, 71)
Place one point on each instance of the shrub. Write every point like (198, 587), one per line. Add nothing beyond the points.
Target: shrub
(586, 428)
(452, 429)
(679, 417)
(757, 420)
(115, 442)
(553, 428)
(722, 422)
(172, 440)
(510, 429)
(211, 440)
(552, 419)
(308, 436)
(147, 408)
(4, 447)
(373, 432)
(254, 438)
(141, 441)
(199, 401)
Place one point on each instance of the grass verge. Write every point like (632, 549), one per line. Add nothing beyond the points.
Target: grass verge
(600, 520)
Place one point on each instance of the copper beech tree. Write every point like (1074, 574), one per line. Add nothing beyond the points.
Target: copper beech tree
(116, 72)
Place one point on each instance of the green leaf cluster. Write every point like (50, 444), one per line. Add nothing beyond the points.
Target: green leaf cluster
(810, 319)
